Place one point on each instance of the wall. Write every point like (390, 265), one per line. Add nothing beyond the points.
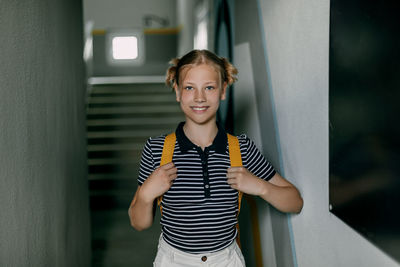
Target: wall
(250, 60)
(246, 114)
(43, 194)
(296, 39)
(109, 16)
(186, 18)
(127, 13)
(155, 60)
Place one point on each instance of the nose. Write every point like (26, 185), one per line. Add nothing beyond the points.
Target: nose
(199, 96)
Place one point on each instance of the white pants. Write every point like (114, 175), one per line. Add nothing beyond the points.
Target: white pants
(168, 256)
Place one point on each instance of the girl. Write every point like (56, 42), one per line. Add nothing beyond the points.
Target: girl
(199, 188)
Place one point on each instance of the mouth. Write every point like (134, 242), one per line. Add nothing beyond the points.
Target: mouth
(199, 109)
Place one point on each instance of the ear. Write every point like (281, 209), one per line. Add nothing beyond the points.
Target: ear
(177, 93)
(223, 91)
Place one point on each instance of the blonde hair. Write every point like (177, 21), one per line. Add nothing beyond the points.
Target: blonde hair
(227, 71)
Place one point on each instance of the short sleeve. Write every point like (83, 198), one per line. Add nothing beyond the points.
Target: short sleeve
(254, 161)
(146, 163)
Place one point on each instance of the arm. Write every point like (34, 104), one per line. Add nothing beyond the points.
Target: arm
(141, 208)
(140, 212)
(282, 194)
(277, 191)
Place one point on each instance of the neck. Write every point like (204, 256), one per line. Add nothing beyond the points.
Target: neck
(201, 135)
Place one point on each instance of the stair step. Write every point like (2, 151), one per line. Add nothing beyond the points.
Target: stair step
(134, 99)
(122, 160)
(122, 140)
(158, 114)
(125, 134)
(112, 176)
(127, 192)
(104, 128)
(128, 105)
(126, 80)
(113, 184)
(110, 169)
(115, 147)
(98, 202)
(130, 88)
(123, 156)
(128, 94)
(171, 108)
(136, 121)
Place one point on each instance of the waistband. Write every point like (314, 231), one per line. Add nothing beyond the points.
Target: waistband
(183, 257)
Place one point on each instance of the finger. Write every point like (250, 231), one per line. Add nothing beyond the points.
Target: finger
(168, 166)
(234, 169)
(234, 186)
(231, 175)
(172, 171)
(173, 176)
(231, 181)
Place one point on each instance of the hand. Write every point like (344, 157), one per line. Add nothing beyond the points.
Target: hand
(159, 182)
(241, 179)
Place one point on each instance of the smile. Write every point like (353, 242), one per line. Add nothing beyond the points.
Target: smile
(199, 108)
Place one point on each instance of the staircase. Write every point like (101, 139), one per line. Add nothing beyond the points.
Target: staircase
(120, 118)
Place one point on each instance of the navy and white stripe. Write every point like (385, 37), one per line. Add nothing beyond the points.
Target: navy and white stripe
(199, 210)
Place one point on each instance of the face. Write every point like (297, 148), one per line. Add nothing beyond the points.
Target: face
(199, 93)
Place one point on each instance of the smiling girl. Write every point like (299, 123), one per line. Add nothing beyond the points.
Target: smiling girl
(199, 187)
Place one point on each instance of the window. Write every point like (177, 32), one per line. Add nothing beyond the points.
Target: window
(125, 47)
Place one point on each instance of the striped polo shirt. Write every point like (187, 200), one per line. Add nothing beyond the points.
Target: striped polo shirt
(200, 209)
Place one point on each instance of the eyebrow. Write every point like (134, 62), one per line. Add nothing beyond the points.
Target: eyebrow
(209, 82)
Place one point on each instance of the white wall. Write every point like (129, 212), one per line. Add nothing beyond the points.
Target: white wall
(44, 218)
(297, 42)
(127, 13)
(246, 114)
(277, 246)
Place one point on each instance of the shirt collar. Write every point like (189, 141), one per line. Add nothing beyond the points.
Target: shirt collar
(219, 144)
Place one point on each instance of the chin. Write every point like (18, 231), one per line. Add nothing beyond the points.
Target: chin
(203, 121)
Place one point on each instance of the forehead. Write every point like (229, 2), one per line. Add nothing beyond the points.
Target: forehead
(202, 71)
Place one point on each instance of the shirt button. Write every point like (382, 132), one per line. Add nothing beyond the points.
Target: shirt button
(207, 186)
(204, 258)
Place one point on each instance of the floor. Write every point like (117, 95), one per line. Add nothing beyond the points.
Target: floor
(119, 120)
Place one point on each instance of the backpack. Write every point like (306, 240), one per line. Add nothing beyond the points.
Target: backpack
(234, 155)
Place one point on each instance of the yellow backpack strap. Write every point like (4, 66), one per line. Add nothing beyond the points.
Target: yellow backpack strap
(168, 149)
(166, 156)
(236, 159)
(234, 151)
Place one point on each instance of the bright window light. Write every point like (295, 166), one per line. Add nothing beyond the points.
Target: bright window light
(125, 47)
(200, 39)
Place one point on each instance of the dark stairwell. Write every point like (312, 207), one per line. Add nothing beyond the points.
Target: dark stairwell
(120, 118)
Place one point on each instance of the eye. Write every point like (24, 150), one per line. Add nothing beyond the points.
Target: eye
(210, 87)
(188, 88)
